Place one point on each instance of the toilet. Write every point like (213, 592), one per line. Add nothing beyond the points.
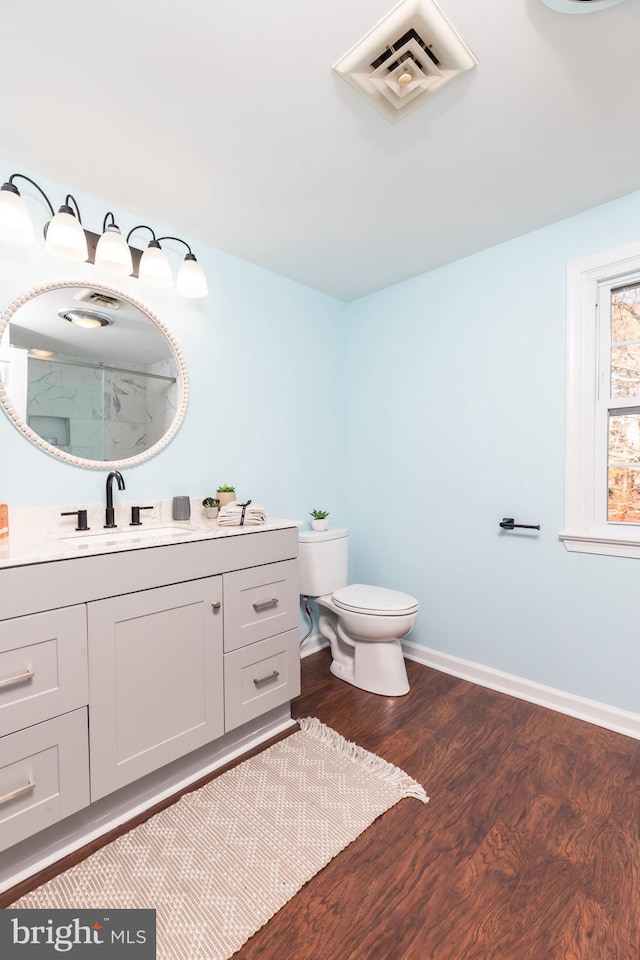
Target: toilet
(363, 624)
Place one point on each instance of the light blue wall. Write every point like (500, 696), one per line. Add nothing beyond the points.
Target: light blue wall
(267, 373)
(456, 419)
(420, 416)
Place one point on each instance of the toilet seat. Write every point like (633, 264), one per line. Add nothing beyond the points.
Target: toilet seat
(374, 601)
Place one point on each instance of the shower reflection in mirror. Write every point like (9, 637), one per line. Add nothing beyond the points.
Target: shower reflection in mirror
(94, 411)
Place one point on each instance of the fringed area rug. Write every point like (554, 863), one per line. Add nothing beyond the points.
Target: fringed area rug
(222, 860)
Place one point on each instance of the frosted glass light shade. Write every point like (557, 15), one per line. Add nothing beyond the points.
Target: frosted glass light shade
(580, 6)
(155, 269)
(16, 225)
(113, 253)
(191, 281)
(66, 238)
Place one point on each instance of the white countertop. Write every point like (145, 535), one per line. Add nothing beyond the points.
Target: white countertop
(39, 535)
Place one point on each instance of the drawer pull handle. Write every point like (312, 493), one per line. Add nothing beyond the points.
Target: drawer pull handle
(265, 604)
(216, 605)
(260, 681)
(11, 681)
(28, 787)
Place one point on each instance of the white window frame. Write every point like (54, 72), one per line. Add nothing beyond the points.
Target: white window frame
(586, 527)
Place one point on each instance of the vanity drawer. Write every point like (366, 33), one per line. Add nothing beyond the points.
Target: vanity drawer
(44, 775)
(43, 666)
(259, 603)
(260, 677)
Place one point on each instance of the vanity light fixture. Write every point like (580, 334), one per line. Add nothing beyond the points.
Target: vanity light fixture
(112, 250)
(64, 234)
(154, 269)
(191, 281)
(66, 237)
(15, 221)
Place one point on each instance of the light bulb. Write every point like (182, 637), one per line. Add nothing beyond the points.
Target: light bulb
(88, 323)
(65, 237)
(15, 220)
(155, 269)
(191, 281)
(113, 253)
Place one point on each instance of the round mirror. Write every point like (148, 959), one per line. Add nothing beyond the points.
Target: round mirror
(90, 375)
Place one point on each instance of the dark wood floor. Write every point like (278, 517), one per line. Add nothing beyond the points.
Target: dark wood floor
(528, 850)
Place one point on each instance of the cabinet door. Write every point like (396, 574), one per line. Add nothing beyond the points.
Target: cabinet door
(155, 679)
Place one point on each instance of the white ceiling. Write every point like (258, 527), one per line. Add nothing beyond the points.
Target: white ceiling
(226, 122)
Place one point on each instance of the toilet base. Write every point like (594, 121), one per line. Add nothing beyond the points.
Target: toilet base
(375, 667)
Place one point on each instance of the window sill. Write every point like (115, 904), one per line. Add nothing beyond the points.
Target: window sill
(604, 544)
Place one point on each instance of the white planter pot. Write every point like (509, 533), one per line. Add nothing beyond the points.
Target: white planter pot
(320, 524)
(211, 513)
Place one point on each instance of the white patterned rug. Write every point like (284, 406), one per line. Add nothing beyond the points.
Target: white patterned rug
(222, 860)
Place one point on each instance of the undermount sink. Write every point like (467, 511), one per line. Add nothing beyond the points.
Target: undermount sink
(126, 535)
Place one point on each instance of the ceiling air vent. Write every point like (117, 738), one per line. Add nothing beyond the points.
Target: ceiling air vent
(98, 299)
(408, 56)
(579, 6)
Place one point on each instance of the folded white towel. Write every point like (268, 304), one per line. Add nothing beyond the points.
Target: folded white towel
(231, 515)
(235, 522)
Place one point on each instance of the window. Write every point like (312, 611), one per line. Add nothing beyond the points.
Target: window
(602, 513)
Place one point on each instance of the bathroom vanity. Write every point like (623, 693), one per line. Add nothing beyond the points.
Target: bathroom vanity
(133, 660)
(118, 660)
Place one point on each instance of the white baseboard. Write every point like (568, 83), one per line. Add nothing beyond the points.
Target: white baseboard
(612, 718)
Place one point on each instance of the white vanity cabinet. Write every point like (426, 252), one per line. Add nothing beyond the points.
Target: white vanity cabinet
(121, 666)
(44, 765)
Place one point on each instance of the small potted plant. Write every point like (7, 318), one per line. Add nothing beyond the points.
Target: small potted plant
(319, 519)
(210, 505)
(225, 494)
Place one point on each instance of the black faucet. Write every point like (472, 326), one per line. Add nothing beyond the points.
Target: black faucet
(109, 512)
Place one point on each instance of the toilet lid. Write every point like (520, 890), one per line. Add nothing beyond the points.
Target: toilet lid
(361, 598)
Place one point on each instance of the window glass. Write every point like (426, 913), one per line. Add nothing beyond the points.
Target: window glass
(625, 341)
(623, 502)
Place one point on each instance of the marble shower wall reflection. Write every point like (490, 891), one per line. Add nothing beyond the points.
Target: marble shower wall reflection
(97, 413)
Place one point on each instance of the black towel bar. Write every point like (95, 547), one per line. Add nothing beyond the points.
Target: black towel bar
(507, 523)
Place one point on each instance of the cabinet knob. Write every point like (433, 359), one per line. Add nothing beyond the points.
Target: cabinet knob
(216, 605)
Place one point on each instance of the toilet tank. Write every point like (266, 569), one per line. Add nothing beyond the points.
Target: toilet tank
(323, 560)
